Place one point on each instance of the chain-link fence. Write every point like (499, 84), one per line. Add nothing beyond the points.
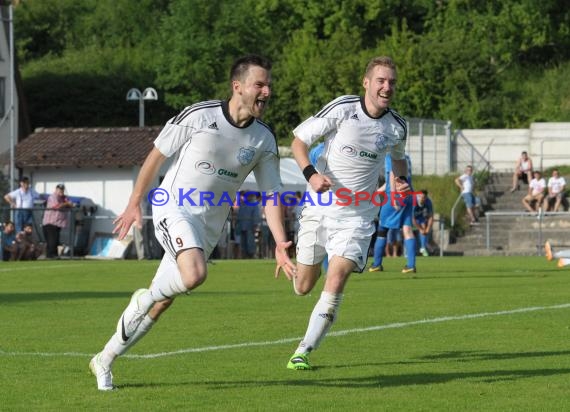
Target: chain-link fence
(429, 146)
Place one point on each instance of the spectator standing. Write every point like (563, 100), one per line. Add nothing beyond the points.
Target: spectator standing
(393, 244)
(466, 184)
(56, 217)
(248, 220)
(535, 193)
(22, 200)
(523, 171)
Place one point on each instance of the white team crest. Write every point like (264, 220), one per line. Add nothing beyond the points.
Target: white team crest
(380, 142)
(245, 155)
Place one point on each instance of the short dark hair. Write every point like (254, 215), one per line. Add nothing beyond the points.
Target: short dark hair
(24, 179)
(380, 61)
(242, 65)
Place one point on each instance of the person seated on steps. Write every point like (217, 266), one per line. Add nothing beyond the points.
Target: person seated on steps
(555, 197)
(523, 171)
(533, 200)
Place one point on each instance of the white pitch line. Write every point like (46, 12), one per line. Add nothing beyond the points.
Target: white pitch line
(43, 267)
(397, 325)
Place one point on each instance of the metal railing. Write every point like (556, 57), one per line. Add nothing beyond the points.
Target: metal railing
(68, 234)
(467, 154)
(429, 146)
(538, 224)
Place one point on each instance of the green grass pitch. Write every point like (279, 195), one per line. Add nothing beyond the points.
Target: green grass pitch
(463, 334)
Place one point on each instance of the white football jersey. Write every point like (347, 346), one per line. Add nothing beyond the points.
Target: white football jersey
(214, 156)
(353, 158)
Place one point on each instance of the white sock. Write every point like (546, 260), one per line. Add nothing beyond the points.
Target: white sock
(565, 261)
(115, 347)
(321, 320)
(167, 282)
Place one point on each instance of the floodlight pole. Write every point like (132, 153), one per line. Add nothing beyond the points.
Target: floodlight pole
(135, 94)
(12, 111)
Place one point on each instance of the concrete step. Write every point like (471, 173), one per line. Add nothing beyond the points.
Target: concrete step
(516, 234)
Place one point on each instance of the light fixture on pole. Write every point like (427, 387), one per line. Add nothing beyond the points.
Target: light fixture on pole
(135, 94)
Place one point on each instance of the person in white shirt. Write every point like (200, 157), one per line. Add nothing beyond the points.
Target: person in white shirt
(358, 132)
(215, 144)
(535, 193)
(523, 171)
(22, 200)
(466, 184)
(556, 187)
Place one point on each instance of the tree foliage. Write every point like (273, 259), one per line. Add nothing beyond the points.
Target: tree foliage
(477, 63)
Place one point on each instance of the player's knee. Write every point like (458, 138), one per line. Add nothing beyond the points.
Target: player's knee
(301, 288)
(193, 275)
(305, 280)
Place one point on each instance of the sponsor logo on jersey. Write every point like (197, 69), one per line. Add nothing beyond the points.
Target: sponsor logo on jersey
(348, 150)
(354, 116)
(245, 155)
(213, 126)
(370, 155)
(224, 172)
(205, 167)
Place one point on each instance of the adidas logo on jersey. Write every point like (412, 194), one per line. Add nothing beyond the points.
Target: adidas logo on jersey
(354, 116)
(213, 126)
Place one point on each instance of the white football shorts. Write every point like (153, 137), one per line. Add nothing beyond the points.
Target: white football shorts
(178, 230)
(348, 237)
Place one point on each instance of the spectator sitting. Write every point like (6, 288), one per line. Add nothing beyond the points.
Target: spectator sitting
(8, 241)
(556, 187)
(535, 193)
(523, 171)
(27, 247)
(423, 220)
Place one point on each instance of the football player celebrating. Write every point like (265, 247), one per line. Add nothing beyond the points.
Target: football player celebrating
(205, 137)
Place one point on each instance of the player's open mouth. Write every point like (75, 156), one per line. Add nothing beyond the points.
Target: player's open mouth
(260, 104)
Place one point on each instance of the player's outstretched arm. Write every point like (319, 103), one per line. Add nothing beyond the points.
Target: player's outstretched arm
(275, 220)
(133, 213)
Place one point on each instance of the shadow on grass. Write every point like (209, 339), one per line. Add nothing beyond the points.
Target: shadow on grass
(6, 298)
(18, 297)
(470, 356)
(419, 276)
(312, 379)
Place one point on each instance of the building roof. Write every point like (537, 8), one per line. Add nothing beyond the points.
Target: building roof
(86, 147)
